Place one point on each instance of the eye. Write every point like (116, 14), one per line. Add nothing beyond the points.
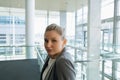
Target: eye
(46, 41)
(54, 40)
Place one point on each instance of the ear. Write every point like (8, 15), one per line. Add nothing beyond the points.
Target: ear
(64, 42)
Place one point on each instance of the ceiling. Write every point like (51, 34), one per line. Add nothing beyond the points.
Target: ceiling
(54, 5)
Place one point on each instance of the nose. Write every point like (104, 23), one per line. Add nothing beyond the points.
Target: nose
(48, 44)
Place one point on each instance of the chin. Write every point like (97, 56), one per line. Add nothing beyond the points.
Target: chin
(50, 54)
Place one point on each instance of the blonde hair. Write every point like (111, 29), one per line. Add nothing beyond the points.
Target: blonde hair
(57, 28)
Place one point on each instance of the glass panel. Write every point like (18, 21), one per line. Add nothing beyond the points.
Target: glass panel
(70, 28)
(12, 53)
(54, 17)
(40, 25)
(107, 9)
(12, 33)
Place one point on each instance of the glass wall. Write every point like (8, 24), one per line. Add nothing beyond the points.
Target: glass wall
(12, 33)
(12, 36)
(109, 37)
(110, 22)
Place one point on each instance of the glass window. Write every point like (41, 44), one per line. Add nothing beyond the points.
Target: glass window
(54, 17)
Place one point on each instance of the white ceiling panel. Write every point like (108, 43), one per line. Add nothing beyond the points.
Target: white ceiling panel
(55, 5)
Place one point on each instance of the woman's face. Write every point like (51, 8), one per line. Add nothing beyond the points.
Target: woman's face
(53, 43)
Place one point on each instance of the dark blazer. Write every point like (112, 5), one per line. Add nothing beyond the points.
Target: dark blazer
(63, 68)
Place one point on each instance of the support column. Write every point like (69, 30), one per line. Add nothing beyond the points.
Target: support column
(63, 19)
(116, 32)
(30, 15)
(94, 21)
(47, 17)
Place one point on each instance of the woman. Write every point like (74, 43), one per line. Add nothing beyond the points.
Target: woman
(59, 64)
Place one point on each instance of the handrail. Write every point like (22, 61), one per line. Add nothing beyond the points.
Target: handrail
(79, 48)
(39, 56)
(38, 53)
(17, 45)
(116, 58)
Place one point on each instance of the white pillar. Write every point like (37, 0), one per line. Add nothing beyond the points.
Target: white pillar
(63, 19)
(94, 21)
(47, 17)
(30, 15)
(116, 31)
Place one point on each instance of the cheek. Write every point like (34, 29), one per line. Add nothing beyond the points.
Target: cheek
(61, 45)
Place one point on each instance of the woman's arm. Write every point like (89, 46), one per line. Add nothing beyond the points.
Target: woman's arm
(65, 69)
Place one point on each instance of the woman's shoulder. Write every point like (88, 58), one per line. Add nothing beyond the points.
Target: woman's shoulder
(65, 56)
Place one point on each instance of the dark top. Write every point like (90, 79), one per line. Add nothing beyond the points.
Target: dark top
(63, 68)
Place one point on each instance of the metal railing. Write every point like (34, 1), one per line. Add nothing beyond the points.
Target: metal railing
(14, 52)
(17, 52)
(40, 57)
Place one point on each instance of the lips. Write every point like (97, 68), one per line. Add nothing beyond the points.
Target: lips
(49, 50)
